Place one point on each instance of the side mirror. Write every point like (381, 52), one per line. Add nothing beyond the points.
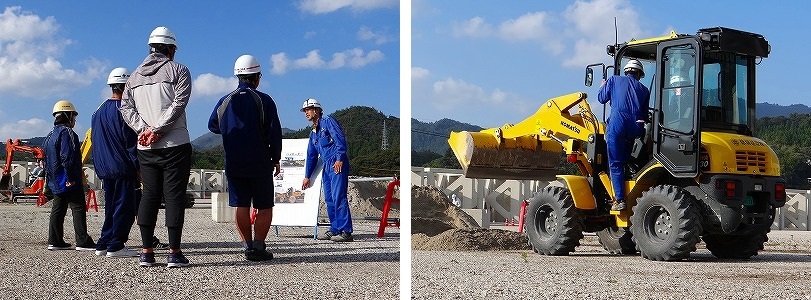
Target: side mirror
(590, 73)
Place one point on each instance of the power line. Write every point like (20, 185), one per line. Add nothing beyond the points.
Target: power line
(431, 133)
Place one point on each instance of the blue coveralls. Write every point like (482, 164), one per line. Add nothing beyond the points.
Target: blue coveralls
(327, 141)
(629, 103)
(115, 159)
(63, 164)
(251, 149)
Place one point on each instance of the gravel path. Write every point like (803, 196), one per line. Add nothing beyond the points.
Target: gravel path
(302, 268)
(783, 271)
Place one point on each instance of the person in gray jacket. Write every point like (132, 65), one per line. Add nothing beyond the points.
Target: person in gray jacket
(154, 106)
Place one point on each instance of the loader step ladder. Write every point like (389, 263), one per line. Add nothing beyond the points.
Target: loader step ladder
(385, 221)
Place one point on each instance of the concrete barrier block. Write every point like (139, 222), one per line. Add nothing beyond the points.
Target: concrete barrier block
(220, 211)
(480, 215)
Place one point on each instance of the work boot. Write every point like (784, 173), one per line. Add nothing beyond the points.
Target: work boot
(343, 237)
(254, 254)
(619, 205)
(327, 235)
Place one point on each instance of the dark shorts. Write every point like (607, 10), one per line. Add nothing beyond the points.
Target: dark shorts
(241, 190)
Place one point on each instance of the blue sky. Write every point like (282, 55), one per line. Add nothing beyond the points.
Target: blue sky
(342, 53)
(494, 62)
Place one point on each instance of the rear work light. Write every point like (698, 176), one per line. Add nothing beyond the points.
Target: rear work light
(780, 191)
(572, 157)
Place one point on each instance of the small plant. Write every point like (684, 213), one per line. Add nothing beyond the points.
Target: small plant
(524, 257)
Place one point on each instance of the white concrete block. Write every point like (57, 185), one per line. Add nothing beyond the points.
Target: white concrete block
(482, 216)
(220, 211)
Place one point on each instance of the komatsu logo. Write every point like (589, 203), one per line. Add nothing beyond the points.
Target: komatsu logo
(747, 142)
(570, 127)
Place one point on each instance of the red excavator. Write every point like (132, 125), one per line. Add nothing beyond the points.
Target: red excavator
(32, 189)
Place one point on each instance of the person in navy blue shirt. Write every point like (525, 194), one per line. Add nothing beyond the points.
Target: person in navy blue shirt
(629, 110)
(327, 141)
(115, 159)
(63, 167)
(252, 138)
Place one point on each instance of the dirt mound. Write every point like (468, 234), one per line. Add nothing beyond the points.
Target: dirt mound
(471, 239)
(366, 199)
(437, 224)
(432, 212)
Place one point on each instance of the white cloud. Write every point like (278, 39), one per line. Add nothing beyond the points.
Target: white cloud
(328, 6)
(29, 47)
(309, 34)
(418, 73)
(26, 128)
(531, 26)
(592, 22)
(352, 58)
(206, 85)
(534, 26)
(366, 34)
(458, 93)
(475, 27)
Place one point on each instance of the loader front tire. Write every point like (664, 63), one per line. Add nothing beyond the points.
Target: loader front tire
(617, 240)
(554, 224)
(666, 224)
(735, 246)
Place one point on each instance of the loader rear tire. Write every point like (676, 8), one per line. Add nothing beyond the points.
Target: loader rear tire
(617, 240)
(666, 224)
(554, 225)
(735, 246)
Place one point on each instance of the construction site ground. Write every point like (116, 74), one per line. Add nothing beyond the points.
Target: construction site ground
(302, 268)
(466, 262)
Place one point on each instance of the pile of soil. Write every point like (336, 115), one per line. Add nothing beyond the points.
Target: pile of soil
(438, 225)
(366, 200)
(471, 239)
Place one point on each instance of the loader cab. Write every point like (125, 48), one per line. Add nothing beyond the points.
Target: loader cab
(702, 82)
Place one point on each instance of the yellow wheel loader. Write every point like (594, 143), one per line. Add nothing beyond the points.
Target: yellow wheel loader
(698, 173)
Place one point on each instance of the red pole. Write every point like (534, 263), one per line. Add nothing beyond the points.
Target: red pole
(523, 212)
(384, 219)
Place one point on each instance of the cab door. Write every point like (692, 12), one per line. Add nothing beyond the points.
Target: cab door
(677, 137)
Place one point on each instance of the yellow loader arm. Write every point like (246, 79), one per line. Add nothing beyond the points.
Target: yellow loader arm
(87, 145)
(530, 149)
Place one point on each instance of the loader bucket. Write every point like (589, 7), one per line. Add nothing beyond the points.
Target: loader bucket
(482, 155)
(4, 182)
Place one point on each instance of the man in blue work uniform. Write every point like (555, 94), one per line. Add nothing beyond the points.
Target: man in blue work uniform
(63, 166)
(115, 159)
(252, 139)
(327, 141)
(629, 109)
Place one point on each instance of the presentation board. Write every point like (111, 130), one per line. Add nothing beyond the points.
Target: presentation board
(294, 207)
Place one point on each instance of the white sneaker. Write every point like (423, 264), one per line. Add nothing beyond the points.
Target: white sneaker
(124, 252)
(101, 252)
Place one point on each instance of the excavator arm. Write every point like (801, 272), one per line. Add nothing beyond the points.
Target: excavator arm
(11, 147)
(530, 149)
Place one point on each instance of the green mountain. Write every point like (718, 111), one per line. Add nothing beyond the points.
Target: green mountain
(363, 128)
(433, 136)
(211, 140)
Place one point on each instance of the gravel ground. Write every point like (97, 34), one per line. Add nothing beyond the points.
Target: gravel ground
(780, 272)
(302, 268)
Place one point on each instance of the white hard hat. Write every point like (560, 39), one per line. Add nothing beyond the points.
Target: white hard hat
(634, 65)
(310, 103)
(247, 64)
(64, 105)
(162, 35)
(678, 80)
(118, 75)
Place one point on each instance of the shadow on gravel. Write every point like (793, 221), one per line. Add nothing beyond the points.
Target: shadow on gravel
(277, 260)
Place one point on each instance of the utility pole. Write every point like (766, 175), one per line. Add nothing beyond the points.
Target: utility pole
(385, 145)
